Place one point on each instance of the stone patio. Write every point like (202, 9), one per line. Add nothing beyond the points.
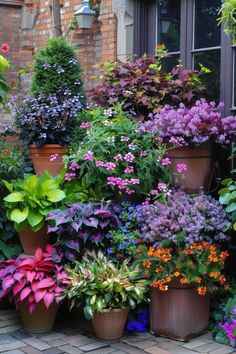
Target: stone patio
(72, 335)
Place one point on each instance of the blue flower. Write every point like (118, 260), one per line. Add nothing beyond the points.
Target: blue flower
(109, 251)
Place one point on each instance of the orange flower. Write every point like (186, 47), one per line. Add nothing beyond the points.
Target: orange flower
(224, 254)
(161, 46)
(147, 264)
(164, 254)
(188, 252)
(184, 280)
(151, 251)
(155, 284)
(213, 258)
(198, 281)
(222, 279)
(158, 269)
(177, 274)
(214, 275)
(163, 287)
(202, 290)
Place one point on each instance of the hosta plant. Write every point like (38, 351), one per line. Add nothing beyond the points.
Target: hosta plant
(33, 279)
(80, 225)
(4, 64)
(227, 16)
(31, 199)
(102, 284)
(228, 198)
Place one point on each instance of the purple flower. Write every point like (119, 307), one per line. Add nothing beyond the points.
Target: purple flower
(85, 125)
(118, 157)
(129, 157)
(89, 156)
(166, 161)
(181, 167)
(129, 169)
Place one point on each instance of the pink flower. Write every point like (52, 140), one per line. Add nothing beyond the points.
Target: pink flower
(162, 186)
(154, 192)
(181, 167)
(85, 125)
(129, 169)
(110, 166)
(69, 176)
(129, 157)
(166, 161)
(134, 181)
(99, 163)
(143, 153)
(173, 140)
(53, 157)
(5, 47)
(74, 166)
(89, 156)
(118, 157)
(129, 191)
(124, 138)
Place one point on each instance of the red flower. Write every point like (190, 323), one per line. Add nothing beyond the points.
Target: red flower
(5, 47)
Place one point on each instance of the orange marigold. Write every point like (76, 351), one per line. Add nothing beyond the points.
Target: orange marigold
(147, 264)
(224, 254)
(202, 290)
(184, 280)
(222, 279)
(151, 251)
(177, 274)
(214, 275)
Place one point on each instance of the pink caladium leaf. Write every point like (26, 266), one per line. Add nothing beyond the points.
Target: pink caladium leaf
(8, 282)
(40, 294)
(18, 276)
(28, 263)
(38, 254)
(30, 276)
(18, 287)
(46, 283)
(25, 292)
(31, 307)
(48, 299)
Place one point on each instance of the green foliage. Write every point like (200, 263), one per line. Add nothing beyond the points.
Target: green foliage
(228, 198)
(31, 199)
(56, 70)
(4, 87)
(227, 15)
(103, 284)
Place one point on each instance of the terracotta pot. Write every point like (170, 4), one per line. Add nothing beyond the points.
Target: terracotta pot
(31, 240)
(41, 158)
(109, 324)
(179, 313)
(41, 320)
(199, 161)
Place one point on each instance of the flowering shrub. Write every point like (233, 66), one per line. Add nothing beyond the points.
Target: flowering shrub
(80, 224)
(140, 323)
(114, 158)
(199, 264)
(184, 219)
(142, 87)
(33, 279)
(4, 64)
(124, 240)
(192, 126)
(46, 119)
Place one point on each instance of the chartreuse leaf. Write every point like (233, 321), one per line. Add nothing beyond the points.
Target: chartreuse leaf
(19, 216)
(34, 218)
(14, 197)
(56, 195)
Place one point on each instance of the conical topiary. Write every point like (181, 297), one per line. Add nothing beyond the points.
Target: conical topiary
(57, 70)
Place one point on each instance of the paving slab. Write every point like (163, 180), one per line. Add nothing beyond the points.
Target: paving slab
(156, 350)
(31, 350)
(92, 346)
(37, 343)
(6, 338)
(70, 349)
(11, 346)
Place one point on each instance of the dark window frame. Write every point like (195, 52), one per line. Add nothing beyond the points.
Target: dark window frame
(144, 42)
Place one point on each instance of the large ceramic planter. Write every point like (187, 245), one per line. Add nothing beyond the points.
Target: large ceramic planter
(179, 313)
(199, 161)
(31, 240)
(41, 320)
(109, 324)
(41, 158)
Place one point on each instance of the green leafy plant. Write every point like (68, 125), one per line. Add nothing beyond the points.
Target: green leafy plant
(227, 16)
(56, 70)
(31, 199)
(228, 198)
(4, 87)
(103, 284)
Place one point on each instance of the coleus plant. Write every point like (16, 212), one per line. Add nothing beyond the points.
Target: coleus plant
(80, 224)
(33, 279)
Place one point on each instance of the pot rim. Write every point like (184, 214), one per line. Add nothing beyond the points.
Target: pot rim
(120, 309)
(47, 146)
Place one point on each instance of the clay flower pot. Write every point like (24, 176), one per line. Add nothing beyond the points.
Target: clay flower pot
(31, 240)
(41, 320)
(199, 161)
(179, 313)
(47, 158)
(109, 324)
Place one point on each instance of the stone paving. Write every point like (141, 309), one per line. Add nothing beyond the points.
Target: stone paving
(72, 335)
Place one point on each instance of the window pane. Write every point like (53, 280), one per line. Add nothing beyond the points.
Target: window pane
(168, 24)
(207, 32)
(211, 60)
(169, 62)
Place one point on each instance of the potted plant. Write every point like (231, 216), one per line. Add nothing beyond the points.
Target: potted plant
(227, 16)
(182, 258)
(114, 159)
(108, 290)
(35, 285)
(191, 133)
(79, 225)
(28, 203)
(46, 119)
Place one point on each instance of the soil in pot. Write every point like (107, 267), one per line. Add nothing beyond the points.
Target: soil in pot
(110, 324)
(199, 161)
(41, 320)
(31, 240)
(43, 160)
(179, 313)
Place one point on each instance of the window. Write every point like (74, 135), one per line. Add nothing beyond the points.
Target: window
(189, 30)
